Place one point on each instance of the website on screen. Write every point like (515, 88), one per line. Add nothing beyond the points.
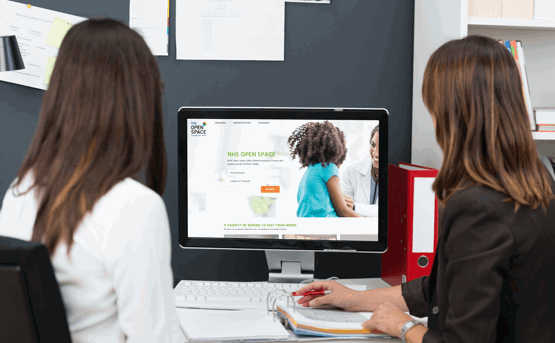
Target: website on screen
(243, 182)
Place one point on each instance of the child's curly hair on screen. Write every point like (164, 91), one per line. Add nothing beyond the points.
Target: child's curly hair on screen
(316, 143)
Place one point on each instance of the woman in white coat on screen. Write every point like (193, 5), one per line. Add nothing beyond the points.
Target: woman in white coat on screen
(360, 183)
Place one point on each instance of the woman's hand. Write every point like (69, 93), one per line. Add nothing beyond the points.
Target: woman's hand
(349, 201)
(340, 296)
(388, 319)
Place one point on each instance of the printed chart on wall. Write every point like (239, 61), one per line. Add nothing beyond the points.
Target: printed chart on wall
(39, 34)
(248, 30)
(150, 18)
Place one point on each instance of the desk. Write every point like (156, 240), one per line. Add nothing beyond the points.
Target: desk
(370, 284)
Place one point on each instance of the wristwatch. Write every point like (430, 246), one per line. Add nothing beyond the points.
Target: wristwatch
(406, 327)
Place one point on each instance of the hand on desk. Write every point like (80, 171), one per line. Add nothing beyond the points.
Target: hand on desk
(387, 317)
(340, 296)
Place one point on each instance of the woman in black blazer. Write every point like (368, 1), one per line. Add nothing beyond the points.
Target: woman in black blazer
(495, 259)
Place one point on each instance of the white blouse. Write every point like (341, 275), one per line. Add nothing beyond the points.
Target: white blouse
(117, 281)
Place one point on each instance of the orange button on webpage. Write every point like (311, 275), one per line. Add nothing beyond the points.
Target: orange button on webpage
(269, 189)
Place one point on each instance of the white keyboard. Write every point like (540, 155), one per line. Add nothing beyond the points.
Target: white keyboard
(230, 295)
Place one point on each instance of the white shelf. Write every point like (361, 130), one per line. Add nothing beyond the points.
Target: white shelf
(543, 136)
(548, 24)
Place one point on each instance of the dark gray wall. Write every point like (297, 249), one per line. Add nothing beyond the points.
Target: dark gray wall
(351, 53)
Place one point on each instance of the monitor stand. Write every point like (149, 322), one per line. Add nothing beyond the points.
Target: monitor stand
(286, 266)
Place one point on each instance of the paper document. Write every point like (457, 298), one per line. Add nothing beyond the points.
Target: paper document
(150, 18)
(39, 34)
(218, 325)
(249, 30)
(57, 32)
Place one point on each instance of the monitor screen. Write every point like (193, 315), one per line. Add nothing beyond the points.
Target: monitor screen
(242, 186)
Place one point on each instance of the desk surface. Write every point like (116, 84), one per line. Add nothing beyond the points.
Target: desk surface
(370, 284)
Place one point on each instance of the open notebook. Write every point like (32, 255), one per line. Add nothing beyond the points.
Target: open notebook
(327, 322)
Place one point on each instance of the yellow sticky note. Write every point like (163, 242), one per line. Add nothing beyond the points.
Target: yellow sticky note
(57, 32)
(49, 69)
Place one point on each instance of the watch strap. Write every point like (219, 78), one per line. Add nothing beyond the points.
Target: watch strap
(406, 327)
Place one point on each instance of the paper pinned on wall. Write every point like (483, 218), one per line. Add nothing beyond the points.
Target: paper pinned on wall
(39, 33)
(150, 18)
(49, 68)
(57, 32)
(247, 30)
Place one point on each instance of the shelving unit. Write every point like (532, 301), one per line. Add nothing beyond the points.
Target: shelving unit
(437, 22)
(543, 136)
(540, 24)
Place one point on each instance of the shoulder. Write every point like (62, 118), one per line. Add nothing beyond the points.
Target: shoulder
(479, 195)
(129, 207)
(476, 198)
(329, 169)
(352, 167)
(130, 194)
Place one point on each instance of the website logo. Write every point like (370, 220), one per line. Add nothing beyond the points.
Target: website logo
(198, 129)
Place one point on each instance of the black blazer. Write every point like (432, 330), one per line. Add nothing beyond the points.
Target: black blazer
(493, 273)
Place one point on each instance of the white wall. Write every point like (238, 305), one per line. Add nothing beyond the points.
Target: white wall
(435, 22)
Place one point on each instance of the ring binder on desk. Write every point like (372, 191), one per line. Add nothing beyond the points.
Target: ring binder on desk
(412, 232)
(273, 307)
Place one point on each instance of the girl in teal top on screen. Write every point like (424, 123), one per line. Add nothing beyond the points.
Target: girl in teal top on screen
(321, 148)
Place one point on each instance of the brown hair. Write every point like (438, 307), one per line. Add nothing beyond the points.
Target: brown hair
(100, 122)
(316, 143)
(473, 90)
(374, 130)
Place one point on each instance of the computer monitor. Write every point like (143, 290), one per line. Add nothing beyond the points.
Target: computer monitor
(239, 186)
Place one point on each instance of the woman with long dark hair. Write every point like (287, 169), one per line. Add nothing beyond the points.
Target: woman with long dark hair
(91, 183)
(495, 261)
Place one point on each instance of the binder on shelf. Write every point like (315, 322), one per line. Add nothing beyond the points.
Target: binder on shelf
(412, 223)
(525, 84)
(516, 49)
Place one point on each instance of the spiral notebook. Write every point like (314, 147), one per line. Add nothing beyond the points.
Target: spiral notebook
(325, 322)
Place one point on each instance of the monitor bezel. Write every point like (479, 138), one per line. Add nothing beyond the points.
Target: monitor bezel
(280, 113)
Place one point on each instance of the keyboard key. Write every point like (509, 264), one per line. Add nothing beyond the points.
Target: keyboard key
(235, 298)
